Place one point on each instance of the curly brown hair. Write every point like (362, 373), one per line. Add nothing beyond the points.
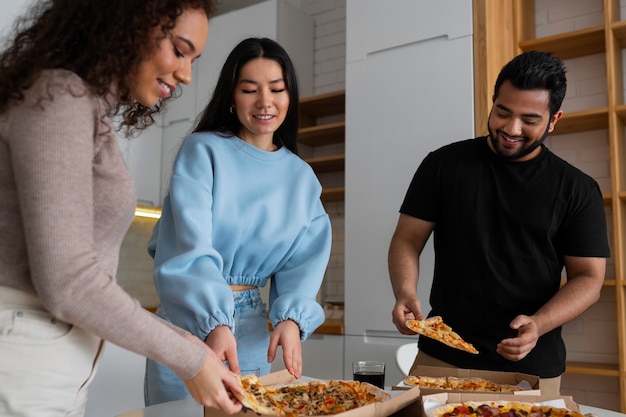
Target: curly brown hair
(102, 42)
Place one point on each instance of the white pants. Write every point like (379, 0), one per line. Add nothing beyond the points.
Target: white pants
(45, 365)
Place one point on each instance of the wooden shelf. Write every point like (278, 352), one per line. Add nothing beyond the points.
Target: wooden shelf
(314, 132)
(620, 110)
(569, 45)
(619, 30)
(582, 121)
(327, 134)
(333, 194)
(312, 108)
(589, 368)
(327, 163)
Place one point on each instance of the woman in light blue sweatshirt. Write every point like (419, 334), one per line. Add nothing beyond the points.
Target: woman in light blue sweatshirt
(243, 209)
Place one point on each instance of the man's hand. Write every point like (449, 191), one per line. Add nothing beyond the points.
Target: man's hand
(406, 309)
(516, 348)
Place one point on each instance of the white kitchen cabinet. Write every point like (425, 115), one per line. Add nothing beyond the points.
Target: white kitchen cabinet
(409, 90)
(143, 156)
(173, 135)
(184, 108)
(322, 357)
(118, 384)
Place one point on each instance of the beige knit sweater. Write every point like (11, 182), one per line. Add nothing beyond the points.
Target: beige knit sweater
(66, 201)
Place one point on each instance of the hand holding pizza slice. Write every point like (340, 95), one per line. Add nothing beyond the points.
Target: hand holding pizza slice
(435, 328)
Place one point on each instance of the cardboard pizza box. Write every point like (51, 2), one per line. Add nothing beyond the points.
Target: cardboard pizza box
(511, 378)
(428, 402)
(401, 404)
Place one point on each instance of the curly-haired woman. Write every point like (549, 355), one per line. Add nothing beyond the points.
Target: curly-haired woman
(74, 72)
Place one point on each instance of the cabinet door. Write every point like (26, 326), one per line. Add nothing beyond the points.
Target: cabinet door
(118, 384)
(417, 81)
(173, 135)
(185, 106)
(322, 357)
(143, 156)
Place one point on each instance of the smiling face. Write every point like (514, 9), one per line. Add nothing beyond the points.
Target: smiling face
(170, 64)
(261, 101)
(519, 122)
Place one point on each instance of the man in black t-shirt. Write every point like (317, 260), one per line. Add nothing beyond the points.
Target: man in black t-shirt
(507, 216)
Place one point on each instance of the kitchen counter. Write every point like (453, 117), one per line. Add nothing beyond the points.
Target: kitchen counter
(331, 326)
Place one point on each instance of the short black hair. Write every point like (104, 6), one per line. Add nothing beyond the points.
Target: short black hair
(536, 71)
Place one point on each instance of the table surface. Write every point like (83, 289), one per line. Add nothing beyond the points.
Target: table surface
(190, 408)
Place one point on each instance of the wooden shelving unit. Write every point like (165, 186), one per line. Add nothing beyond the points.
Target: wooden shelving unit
(504, 29)
(314, 132)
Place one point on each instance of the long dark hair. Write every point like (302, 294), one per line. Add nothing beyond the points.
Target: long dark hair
(101, 42)
(217, 116)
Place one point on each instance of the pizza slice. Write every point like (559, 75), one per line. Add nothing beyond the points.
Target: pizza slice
(431, 382)
(256, 398)
(479, 384)
(435, 328)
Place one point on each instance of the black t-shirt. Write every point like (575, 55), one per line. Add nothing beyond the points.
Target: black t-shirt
(502, 229)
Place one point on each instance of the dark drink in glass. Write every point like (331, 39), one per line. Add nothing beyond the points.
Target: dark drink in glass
(369, 371)
(373, 377)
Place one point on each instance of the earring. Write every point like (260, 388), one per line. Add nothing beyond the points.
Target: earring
(230, 109)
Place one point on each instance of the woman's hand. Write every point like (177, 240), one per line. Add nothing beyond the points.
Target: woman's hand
(214, 384)
(287, 335)
(222, 341)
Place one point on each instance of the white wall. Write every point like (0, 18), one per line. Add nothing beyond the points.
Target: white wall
(407, 93)
(10, 10)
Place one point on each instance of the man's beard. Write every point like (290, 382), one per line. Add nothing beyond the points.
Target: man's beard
(525, 150)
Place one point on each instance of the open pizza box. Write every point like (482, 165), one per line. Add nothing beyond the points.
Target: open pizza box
(431, 401)
(401, 404)
(529, 383)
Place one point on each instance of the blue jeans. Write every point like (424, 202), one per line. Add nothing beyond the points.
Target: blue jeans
(252, 336)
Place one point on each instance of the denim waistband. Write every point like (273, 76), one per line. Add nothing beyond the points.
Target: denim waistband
(252, 295)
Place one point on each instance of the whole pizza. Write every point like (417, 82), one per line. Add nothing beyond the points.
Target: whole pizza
(502, 409)
(314, 398)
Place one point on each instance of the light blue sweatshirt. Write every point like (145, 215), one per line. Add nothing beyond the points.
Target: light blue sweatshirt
(236, 214)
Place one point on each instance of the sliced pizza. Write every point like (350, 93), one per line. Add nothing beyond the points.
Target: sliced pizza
(459, 384)
(430, 382)
(479, 384)
(435, 328)
(314, 398)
